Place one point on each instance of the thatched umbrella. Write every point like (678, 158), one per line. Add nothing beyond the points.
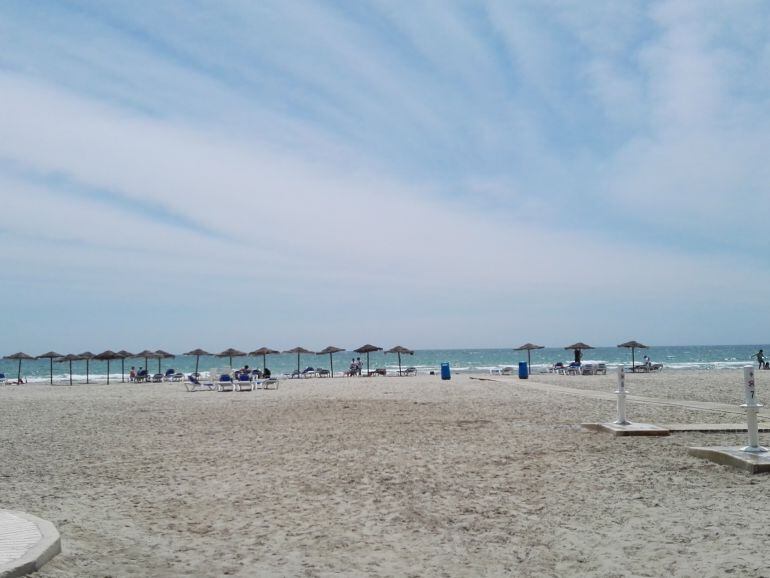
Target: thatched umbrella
(108, 356)
(528, 347)
(263, 351)
(88, 356)
(20, 355)
(231, 353)
(399, 350)
(147, 354)
(51, 355)
(123, 356)
(197, 353)
(69, 357)
(367, 349)
(163, 355)
(330, 350)
(298, 350)
(633, 345)
(578, 348)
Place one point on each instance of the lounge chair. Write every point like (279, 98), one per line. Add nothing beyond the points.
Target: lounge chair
(2, 378)
(157, 378)
(506, 371)
(225, 383)
(169, 375)
(195, 384)
(601, 368)
(142, 376)
(378, 371)
(243, 383)
(409, 371)
(323, 373)
(588, 369)
(266, 383)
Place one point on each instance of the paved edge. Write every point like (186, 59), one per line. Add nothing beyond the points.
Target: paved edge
(39, 554)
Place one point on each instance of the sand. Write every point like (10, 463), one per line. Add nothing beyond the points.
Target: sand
(381, 476)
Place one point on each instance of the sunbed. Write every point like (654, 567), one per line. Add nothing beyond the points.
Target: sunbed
(266, 383)
(195, 384)
(225, 383)
(243, 383)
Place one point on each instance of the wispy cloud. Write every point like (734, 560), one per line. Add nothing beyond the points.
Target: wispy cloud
(448, 172)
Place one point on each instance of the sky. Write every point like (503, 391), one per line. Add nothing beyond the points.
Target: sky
(435, 174)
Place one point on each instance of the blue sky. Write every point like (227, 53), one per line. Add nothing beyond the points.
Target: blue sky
(437, 174)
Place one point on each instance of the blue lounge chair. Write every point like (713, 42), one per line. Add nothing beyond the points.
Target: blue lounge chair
(225, 383)
(243, 383)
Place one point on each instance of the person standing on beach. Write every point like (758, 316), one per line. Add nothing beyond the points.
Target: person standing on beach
(760, 355)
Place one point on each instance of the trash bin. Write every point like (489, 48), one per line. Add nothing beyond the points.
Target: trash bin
(445, 374)
(523, 370)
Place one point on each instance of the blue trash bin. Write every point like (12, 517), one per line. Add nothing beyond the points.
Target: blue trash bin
(523, 370)
(445, 374)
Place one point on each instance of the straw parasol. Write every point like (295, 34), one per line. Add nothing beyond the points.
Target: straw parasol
(298, 350)
(163, 355)
(578, 349)
(88, 356)
(123, 356)
(231, 353)
(147, 354)
(367, 349)
(51, 355)
(197, 353)
(108, 356)
(633, 345)
(263, 351)
(399, 349)
(20, 355)
(528, 347)
(69, 357)
(330, 350)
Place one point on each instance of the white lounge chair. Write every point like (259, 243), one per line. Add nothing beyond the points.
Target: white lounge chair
(195, 384)
(508, 370)
(266, 383)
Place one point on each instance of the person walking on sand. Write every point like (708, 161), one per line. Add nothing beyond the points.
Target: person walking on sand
(760, 355)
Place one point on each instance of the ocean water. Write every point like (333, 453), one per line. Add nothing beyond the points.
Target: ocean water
(673, 358)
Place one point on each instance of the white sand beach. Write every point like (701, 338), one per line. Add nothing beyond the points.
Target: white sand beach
(382, 476)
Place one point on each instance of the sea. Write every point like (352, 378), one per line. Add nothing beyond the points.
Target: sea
(473, 360)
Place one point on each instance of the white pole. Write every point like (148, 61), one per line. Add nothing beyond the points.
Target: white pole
(621, 398)
(752, 407)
